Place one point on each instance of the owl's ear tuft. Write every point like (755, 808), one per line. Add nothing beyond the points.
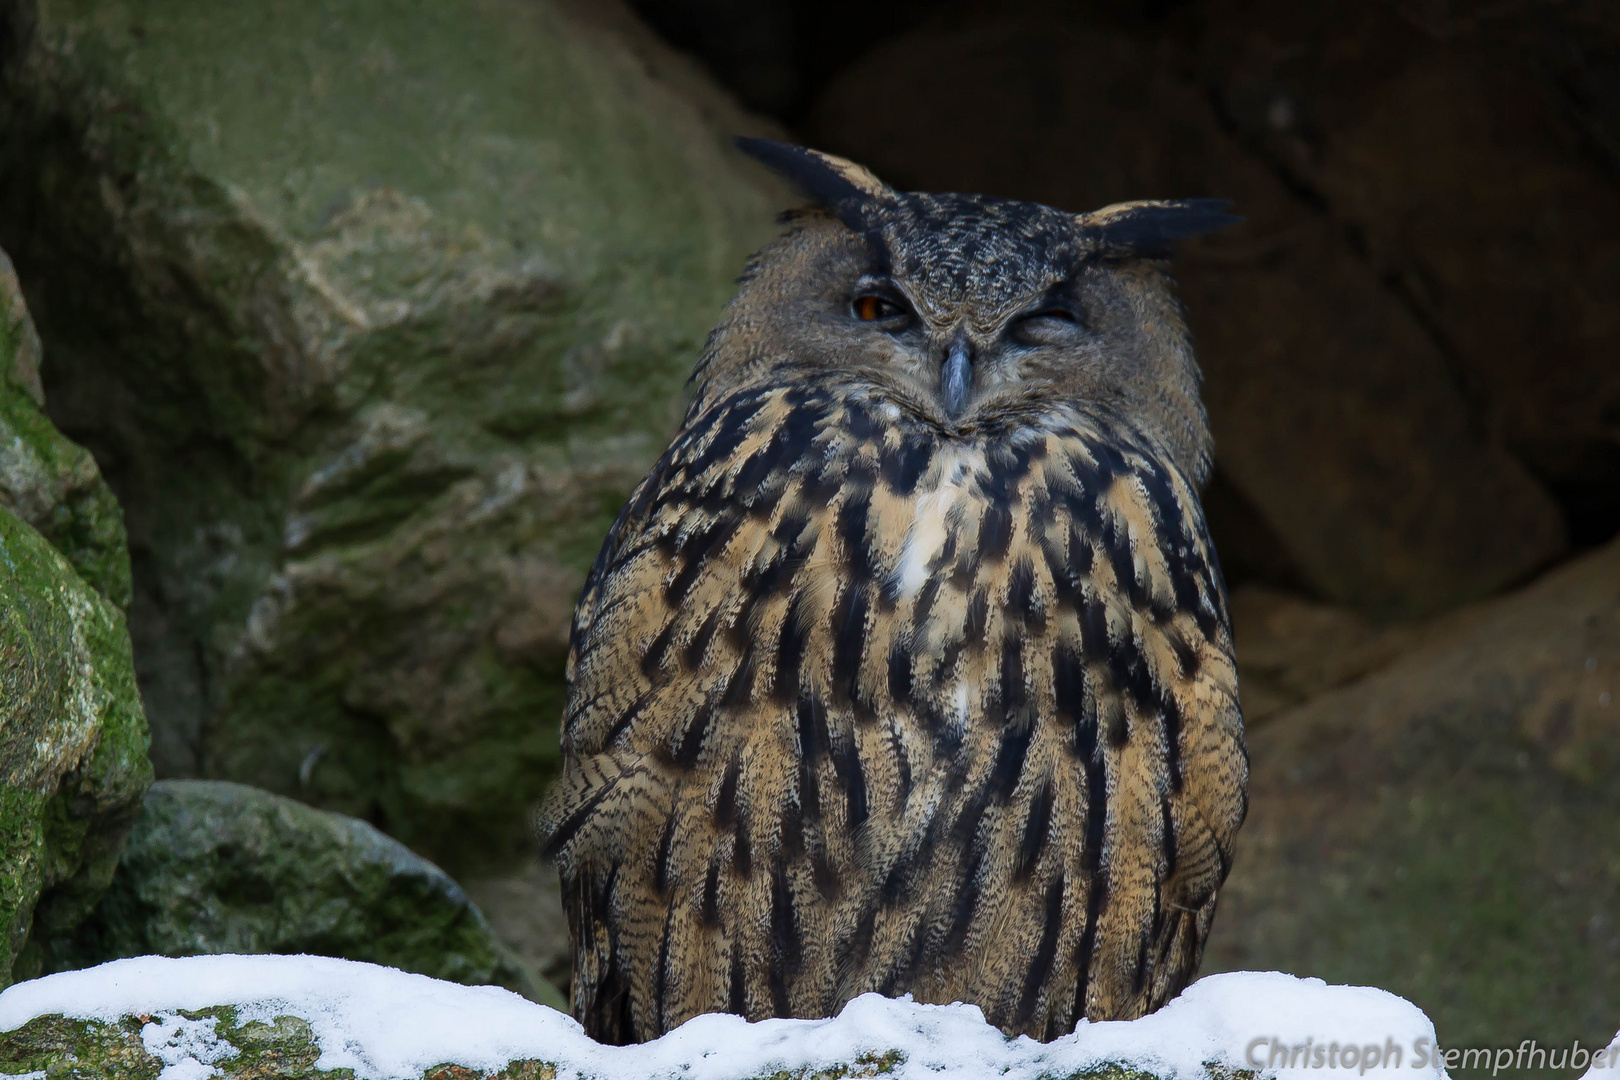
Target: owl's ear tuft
(1150, 228)
(841, 186)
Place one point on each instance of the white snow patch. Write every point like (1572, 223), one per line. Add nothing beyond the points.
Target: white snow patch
(386, 1024)
(1611, 1062)
(187, 1048)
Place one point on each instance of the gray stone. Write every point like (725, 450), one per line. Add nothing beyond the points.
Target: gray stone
(287, 1050)
(217, 867)
(373, 316)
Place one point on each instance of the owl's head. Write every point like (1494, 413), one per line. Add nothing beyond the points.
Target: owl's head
(973, 314)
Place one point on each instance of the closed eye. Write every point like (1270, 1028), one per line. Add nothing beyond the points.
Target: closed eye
(1048, 326)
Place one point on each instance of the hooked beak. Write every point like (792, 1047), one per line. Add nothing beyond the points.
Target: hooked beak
(955, 376)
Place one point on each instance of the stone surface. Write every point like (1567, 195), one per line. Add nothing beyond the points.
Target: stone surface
(73, 758)
(46, 479)
(1390, 115)
(72, 735)
(1336, 414)
(1290, 649)
(525, 909)
(373, 315)
(216, 867)
(1445, 827)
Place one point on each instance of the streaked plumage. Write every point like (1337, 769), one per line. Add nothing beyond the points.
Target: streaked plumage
(872, 693)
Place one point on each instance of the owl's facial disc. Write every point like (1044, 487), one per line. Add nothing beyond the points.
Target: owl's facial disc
(878, 302)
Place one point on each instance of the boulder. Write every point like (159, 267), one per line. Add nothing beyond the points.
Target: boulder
(1336, 413)
(47, 480)
(373, 317)
(1475, 157)
(217, 867)
(1444, 827)
(1290, 648)
(73, 761)
(524, 906)
(73, 753)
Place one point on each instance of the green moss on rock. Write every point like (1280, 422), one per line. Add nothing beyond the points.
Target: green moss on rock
(46, 479)
(73, 763)
(284, 1049)
(374, 313)
(216, 867)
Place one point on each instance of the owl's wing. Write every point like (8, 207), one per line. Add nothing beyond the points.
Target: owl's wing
(856, 707)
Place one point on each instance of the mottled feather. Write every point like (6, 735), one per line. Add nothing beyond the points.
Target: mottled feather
(859, 702)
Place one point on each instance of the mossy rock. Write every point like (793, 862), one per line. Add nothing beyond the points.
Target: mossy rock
(373, 313)
(217, 867)
(73, 759)
(72, 733)
(46, 479)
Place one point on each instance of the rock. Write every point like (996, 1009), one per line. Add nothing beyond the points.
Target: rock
(1445, 827)
(1290, 649)
(525, 909)
(373, 319)
(73, 761)
(266, 1017)
(1388, 116)
(1335, 414)
(216, 867)
(45, 479)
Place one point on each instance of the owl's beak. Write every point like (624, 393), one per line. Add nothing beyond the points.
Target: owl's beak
(956, 376)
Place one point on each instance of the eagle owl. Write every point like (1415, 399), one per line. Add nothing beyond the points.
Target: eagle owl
(908, 667)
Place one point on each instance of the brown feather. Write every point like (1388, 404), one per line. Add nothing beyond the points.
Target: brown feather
(859, 702)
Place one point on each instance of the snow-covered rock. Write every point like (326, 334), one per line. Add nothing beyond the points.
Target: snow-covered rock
(296, 1016)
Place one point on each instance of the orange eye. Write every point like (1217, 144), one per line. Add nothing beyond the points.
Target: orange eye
(873, 308)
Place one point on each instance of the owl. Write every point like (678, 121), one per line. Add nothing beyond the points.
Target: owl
(908, 667)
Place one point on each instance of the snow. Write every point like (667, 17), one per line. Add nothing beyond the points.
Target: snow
(386, 1024)
(1611, 1057)
(187, 1048)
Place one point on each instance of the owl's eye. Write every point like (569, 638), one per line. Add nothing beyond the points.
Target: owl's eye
(1049, 326)
(869, 308)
